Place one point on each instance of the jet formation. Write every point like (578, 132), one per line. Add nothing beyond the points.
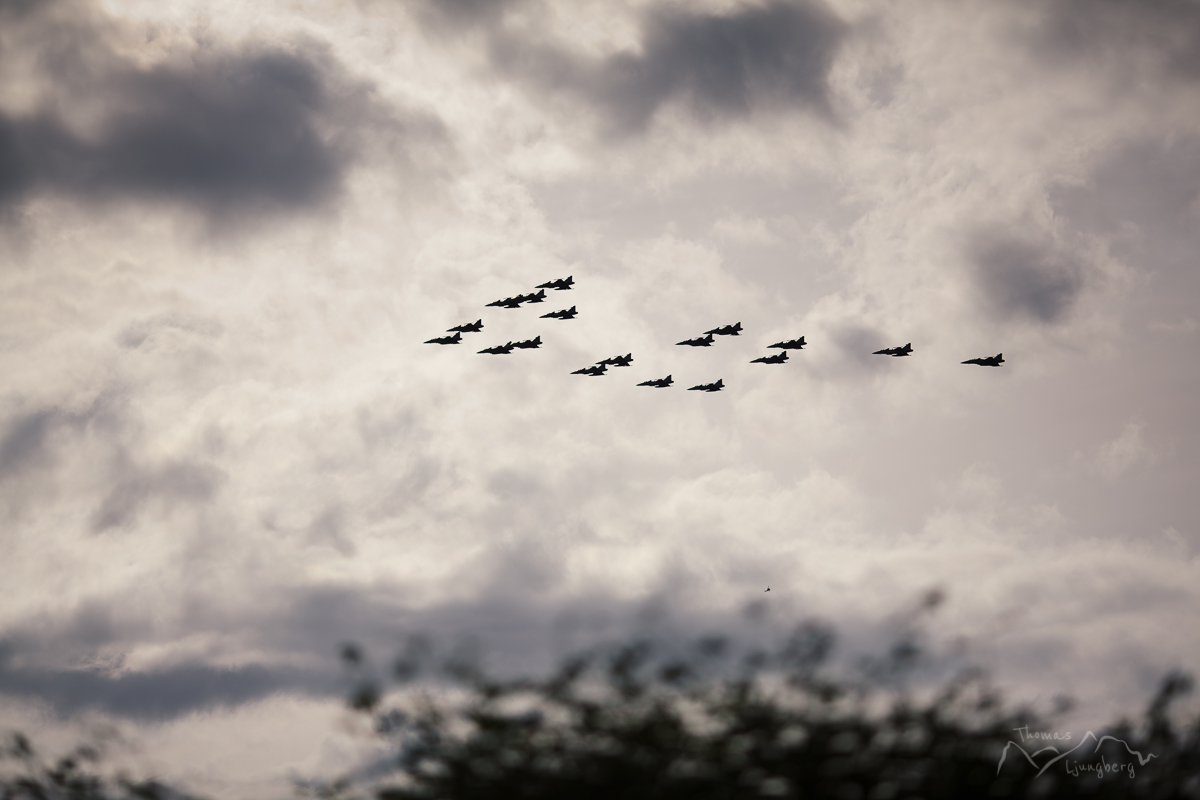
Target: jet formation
(600, 367)
(895, 352)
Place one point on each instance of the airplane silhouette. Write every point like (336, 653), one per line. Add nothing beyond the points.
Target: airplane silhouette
(529, 344)
(618, 361)
(709, 387)
(499, 350)
(794, 344)
(703, 341)
(778, 358)
(455, 339)
(728, 330)
(508, 302)
(595, 371)
(661, 383)
(768, 588)
(895, 351)
(565, 314)
(467, 327)
(990, 361)
(540, 297)
(562, 284)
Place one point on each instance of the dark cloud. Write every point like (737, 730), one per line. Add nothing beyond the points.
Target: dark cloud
(1153, 184)
(24, 441)
(1025, 280)
(134, 486)
(457, 15)
(229, 131)
(160, 695)
(764, 58)
(1166, 32)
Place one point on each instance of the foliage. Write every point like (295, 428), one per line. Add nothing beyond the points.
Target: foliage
(633, 722)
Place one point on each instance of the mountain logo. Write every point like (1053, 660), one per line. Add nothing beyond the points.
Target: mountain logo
(1089, 736)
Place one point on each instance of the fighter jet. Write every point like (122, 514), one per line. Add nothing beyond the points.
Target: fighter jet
(540, 297)
(467, 327)
(728, 330)
(562, 284)
(990, 361)
(708, 387)
(617, 361)
(565, 314)
(455, 339)
(529, 344)
(895, 351)
(703, 341)
(661, 383)
(499, 350)
(508, 302)
(778, 358)
(794, 344)
(595, 371)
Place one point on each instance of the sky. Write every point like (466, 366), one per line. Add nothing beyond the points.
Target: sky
(227, 230)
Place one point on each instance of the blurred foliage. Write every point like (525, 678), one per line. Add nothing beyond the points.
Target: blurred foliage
(641, 720)
(709, 719)
(25, 775)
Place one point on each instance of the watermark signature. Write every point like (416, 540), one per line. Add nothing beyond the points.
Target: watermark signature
(1076, 768)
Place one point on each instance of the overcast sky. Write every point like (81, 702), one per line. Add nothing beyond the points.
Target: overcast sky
(226, 230)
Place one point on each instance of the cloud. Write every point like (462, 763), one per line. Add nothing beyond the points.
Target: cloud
(719, 67)
(1023, 279)
(160, 695)
(136, 485)
(24, 441)
(1165, 33)
(1114, 458)
(232, 131)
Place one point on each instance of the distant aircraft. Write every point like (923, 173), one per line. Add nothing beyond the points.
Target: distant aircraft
(540, 297)
(499, 350)
(509, 302)
(529, 344)
(566, 314)
(768, 589)
(895, 351)
(617, 361)
(562, 284)
(728, 330)
(709, 387)
(703, 341)
(990, 361)
(661, 383)
(455, 339)
(467, 327)
(794, 344)
(595, 371)
(778, 358)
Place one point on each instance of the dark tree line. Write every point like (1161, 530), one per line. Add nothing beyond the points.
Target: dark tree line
(704, 721)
